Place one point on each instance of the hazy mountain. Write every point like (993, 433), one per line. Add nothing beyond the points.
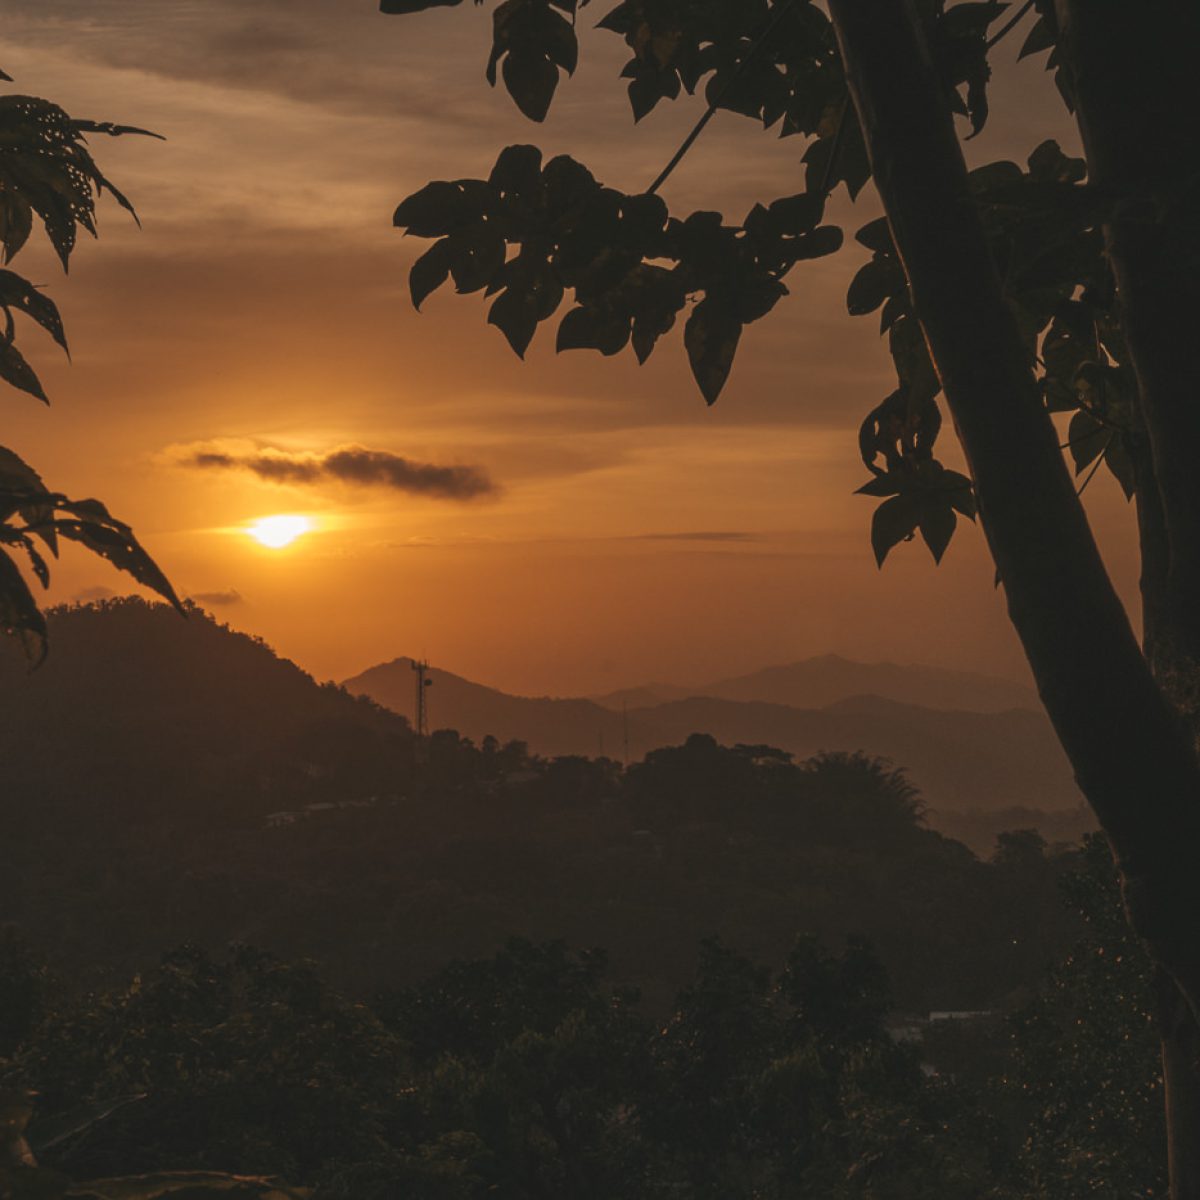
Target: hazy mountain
(550, 726)
(645, 696)
(819, 682)
(961, 760)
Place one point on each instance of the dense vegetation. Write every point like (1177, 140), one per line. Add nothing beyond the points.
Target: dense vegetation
(529, 1074)
(214, 793)
(216, 799)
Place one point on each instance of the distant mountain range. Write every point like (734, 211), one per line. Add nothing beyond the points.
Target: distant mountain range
(819, 682)
(970, 742)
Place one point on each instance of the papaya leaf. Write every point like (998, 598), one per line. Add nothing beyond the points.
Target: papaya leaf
(16, 371)
(115, 541)
(20, 616)
(18, 293)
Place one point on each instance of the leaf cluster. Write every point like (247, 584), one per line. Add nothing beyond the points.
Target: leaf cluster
(47, 172)
(530, 233)
(634, 268)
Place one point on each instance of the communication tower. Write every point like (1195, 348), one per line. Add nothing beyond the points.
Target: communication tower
(420, 712)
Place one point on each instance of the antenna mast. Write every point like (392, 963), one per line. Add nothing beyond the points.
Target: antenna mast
(422, 716)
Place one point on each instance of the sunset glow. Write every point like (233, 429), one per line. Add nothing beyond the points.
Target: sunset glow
(609, 523)
(277, 532)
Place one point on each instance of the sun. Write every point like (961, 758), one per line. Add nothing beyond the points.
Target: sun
(280, 531)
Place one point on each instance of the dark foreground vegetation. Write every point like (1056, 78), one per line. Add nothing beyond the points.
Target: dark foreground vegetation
(529, 1074)
(777, 936)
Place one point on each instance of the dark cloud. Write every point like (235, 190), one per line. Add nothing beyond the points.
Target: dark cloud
(354, 465)
(223, 599)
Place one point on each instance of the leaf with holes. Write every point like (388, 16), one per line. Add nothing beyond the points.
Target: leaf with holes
(20, 616)
(20, 294)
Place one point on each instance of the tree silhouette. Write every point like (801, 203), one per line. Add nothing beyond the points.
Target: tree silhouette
(1012, 292)
(47, 171)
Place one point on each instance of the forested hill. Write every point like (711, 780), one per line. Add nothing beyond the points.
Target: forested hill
(137, 708)
(169, 780)
(964, 760)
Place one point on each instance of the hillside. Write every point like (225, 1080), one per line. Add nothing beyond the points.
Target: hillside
(169, 781)
(550, 726)
(143, 712)
(962, 760)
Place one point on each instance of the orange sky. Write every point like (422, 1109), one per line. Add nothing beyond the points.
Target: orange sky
(633, 533)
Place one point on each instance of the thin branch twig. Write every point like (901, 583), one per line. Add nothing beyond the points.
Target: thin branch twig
(784, 7)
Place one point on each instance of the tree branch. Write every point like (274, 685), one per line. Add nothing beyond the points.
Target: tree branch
(1144, 783)
(688, 142)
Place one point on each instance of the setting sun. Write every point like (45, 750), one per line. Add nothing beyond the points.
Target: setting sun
(277, 532)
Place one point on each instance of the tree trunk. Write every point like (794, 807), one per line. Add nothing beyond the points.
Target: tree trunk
(1130, 69)
(1132, 758)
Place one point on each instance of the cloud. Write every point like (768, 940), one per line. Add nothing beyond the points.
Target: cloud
(218, 599)
(89, 595)
(702, 535)
(353, 465)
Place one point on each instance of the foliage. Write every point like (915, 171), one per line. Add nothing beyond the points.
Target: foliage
(530, 235)
(529, 1075)
(1086, 1055)
(47, 171)
(255, 805)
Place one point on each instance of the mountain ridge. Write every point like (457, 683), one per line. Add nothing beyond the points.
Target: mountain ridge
(961, 759)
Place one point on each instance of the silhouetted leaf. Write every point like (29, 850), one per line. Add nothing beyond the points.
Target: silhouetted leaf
(961, 493)
(18, 293)
(894, 521)
(879, 485)
(876, 236)
(531, 81)
(19, 614)
(868, 289)
(593, 329)
(1087, 438)
(711, 338)
(823, 241)
(429, 272)
(518, 170)
(937, 524)
(794, 215)
(16, 222)
(115, 541)
(15, 370)
(1120, 463)
(476, 255)
(441, 207)
(1041, 37)
(514, 316)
